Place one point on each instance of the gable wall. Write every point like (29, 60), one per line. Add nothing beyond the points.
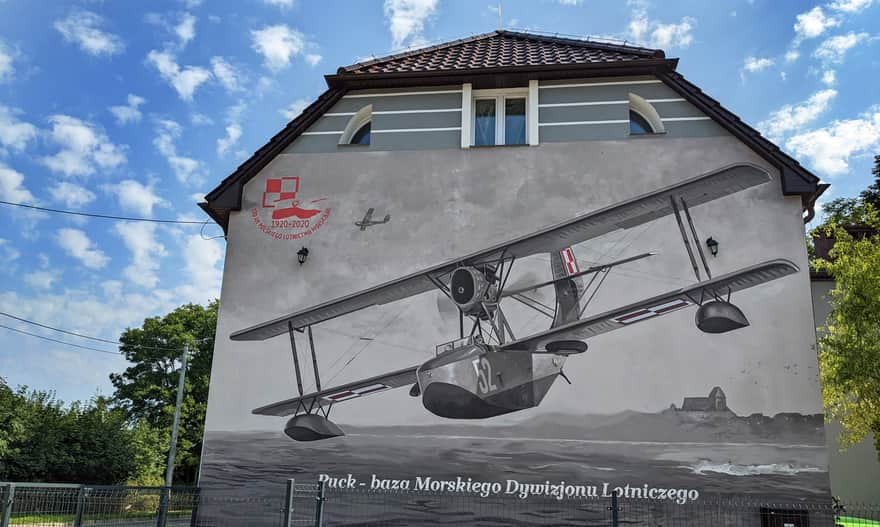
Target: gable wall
(429, 118)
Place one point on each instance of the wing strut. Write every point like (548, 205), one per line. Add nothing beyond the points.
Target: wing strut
(684, 237)
(299, 380)
(687, 215)
(314, 361)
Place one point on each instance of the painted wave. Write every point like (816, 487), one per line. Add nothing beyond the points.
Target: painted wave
(732, 469)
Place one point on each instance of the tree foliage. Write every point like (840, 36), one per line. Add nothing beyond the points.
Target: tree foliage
(147, 390)
(41, 439)
(849, 353)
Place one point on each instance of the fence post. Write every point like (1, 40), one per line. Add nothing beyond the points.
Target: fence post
(194, 515)
(614, 510)
(80, 506)
(163, 507)
(288, 503)
(319, 506)
(7, 505)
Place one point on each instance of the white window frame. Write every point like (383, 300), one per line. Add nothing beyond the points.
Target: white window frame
(500, 96)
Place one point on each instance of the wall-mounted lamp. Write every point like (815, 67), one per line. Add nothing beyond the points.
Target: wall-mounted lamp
(712, 244)
(303, 254)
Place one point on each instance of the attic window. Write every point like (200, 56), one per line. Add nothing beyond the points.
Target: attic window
(638, 125)
(359, 128)
(499, 117)
(643, 117)
(362, 136)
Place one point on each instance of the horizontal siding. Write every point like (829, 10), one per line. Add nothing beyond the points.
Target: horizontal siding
(398, 115)
(429, 118)
(579, 110)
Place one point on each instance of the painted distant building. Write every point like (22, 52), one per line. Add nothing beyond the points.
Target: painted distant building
(421, 160)
(715, 402)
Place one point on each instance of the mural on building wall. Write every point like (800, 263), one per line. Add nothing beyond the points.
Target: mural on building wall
(513, 332)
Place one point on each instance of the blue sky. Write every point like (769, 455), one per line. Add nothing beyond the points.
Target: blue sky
(139, 108)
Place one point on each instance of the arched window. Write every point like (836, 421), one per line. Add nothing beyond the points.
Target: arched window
(638, 125)
(357, 131)
(362, 136)
(643, 118)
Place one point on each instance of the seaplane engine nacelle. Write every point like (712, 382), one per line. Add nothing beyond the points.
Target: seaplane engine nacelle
(469, 288)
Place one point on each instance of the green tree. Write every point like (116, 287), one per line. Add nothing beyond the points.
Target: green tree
(44, 440)
(849, 349)
(147, 390)
(871, 195)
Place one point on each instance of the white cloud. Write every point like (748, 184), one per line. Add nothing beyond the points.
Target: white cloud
(406, 21)
(128, 113)
(202, 266)
(84, 29)
(756, 64)
(185, 29)
(833, 50)
(657, 35)
(71, 195)
(200, 119)
(278, 45)
(227, 74)
(570, 2)
(830, 148)
(14, 134)
(78, 245)
(313, 59)
(233, 134)
(41, 279)
(12, 186)
(83, 146)
(140, 239)
(279, 3)
(850, 6)
(7, 70)
(829, 77)
(8, 254)
(813, 23)
(135, 196)
(295, 108)
(792, 117)
(792, 55)
(167, 132)
(184, 80)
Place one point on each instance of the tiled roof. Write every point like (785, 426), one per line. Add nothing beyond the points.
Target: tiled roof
(500, 49)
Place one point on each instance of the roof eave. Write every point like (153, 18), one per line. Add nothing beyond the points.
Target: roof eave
(351, 81)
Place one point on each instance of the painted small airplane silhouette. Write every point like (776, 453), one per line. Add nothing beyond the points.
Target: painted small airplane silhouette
(368, 221)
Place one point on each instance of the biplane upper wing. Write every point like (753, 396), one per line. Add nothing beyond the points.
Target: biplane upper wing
(337, 394)
(630, 213)
(656, 306)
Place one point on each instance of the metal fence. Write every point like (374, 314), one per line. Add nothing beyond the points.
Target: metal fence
(46, 505)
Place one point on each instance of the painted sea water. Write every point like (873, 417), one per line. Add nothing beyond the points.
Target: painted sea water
(368, 468)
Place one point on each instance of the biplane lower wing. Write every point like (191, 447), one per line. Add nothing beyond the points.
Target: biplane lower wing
(656, 306)
(624, 215)
(346, 392)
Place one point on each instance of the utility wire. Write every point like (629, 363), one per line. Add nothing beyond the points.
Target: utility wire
(59, 341)
(80, 335)
(104, 216)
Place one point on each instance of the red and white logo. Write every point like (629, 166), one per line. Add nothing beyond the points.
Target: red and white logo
(283, 215)
(569, 261)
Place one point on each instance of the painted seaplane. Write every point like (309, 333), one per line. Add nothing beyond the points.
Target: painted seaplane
(489, 371)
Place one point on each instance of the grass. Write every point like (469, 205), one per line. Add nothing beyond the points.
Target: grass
(52, 519)
(852, 521)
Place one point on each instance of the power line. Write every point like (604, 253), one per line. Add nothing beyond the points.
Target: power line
(103, 216)
(56, 329)
(80, 335)
(59, 341)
